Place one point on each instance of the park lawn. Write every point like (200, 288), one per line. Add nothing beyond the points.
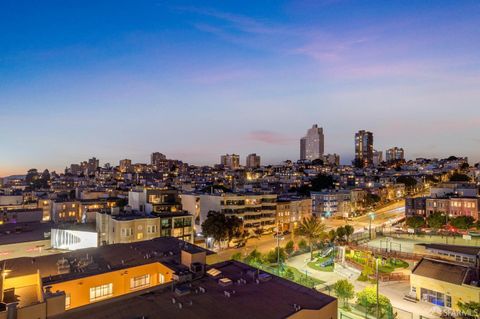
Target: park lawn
(391, 265)
(301, 278)
(313, 265)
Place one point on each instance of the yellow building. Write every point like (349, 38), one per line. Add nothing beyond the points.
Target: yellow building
(444, 283)
(290, 211)
(48, 285)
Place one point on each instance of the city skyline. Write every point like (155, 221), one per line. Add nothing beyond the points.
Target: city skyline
(185, 80)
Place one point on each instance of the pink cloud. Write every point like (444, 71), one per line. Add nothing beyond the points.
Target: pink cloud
(269, 137)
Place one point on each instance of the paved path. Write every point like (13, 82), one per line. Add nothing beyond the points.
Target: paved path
(395, 291)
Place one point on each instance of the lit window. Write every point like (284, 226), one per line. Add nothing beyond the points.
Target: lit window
(161, 278)
(67, 301)
(100, 292)
(140, 282)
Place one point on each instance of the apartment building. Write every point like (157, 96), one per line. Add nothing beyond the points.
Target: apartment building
(331, 203)
(256, 210)
(151, 200)
(131, 227)
(453, 206)
(291, 210)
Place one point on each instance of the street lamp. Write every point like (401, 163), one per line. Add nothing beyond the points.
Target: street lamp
(278, 248)
(371, 216)
(377, 277)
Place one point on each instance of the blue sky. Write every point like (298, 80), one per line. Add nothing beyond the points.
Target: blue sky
(121, 79)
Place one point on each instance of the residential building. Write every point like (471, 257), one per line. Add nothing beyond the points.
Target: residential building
(291, 210)
(312, 144)
(377, 158)
(453, 206)
(415, 206)
(128, 227)
(331, 159)
(125, 166)
(253, 161)
(157, 159)
(151, 200)
(256, 210)
(454, 189)
(331, 203)
(394, 154)
(66, 211)
(364, 148)
(231, 161)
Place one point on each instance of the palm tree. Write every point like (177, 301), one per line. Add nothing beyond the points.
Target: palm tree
(312, 229)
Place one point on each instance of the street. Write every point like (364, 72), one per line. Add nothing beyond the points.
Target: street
(268, 242)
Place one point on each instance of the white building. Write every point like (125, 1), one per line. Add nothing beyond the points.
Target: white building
(312, 144)
(331, 203)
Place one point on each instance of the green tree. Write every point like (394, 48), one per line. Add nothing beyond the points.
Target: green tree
(302, 244)
(409, 182)
(341, 232)
(367, 298)
(220, 227)
(470, 308)
(237, 256)
(273, 255)
(459, 177)
(289, 247)
(312, 229)
(415, 222)
(234, 227)
(332, 235)
(371, 199)
(436, 220)
(344, 290)
(349, 230)
(322, 181)
(254, 257)
(462, 222)
(289, 274)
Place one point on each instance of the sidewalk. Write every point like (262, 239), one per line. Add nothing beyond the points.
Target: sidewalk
(395, 291)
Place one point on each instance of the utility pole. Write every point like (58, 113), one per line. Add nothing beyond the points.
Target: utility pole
(378, 303)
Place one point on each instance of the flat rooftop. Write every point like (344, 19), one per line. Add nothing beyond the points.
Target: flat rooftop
(464, 250)
(92, 261)
(441, 270)
(137, 215)
(270, 299)
(23, 232)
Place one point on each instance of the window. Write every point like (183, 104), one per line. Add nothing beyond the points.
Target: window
(151, 229)
(100, 292)
(67, 301)
(140, 282)
(448, 301)
(126, 232)
(161, 278)
(139, 236)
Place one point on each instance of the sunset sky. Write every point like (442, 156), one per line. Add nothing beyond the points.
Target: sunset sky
(194, 80)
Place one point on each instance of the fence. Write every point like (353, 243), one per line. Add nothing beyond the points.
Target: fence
(388, 254)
